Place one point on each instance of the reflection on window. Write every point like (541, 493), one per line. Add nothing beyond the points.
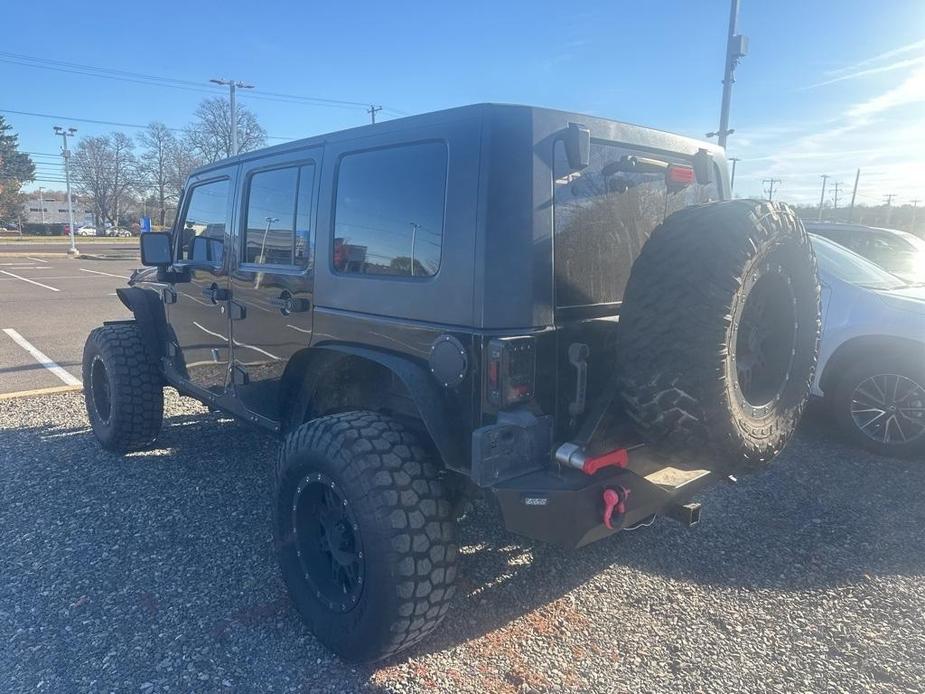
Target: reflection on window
(604, 216)
(388, 217)
(278, 223)
(205, 215)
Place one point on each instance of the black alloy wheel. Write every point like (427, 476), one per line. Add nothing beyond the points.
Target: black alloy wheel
(327, 541)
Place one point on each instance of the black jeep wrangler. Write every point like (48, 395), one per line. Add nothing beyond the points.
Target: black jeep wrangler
(564, 312)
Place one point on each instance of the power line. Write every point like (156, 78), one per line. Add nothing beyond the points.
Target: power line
(170, 82)
(106, 122)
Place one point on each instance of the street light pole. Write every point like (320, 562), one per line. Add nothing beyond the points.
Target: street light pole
(233, 85)
(66, 153)
(736, 48)
(732, 182)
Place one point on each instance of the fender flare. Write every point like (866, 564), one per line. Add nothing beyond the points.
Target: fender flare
(148, 309)
(426, 396)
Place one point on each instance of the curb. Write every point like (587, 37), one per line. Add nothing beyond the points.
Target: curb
(39, 391)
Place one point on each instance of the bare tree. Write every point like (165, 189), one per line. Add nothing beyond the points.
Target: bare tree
(180, 163)
(154, 165)
(210, 133)
(105, 170)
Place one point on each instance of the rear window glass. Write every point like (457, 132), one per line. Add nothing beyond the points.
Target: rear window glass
(604, 214)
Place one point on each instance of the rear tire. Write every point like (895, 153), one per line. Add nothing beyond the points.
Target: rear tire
(719, 333)
(123, 388)
(364, 533)
(867, 386)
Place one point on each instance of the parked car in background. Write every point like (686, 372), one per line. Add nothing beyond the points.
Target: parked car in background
(871, 368)
(86, 231)
(117, 231)
(897, 252)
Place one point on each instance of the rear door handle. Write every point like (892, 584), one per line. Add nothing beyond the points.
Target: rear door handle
(215, 294)
(287, 304)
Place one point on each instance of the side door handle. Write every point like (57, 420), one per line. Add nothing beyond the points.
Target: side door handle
(215, 294)
(287, 304)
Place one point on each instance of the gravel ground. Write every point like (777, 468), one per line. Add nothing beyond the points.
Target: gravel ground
(155, 572)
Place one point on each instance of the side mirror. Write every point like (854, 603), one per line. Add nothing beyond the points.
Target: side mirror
(206, 250)
(155, 249)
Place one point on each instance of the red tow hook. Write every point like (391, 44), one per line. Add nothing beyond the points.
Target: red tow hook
(614, 500)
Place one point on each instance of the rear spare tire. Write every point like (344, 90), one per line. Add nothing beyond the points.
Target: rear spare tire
(719, 332)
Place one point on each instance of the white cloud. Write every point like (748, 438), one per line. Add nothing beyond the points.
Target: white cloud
(910, 91)
(898, 65)
(901, 50)
(882, 132)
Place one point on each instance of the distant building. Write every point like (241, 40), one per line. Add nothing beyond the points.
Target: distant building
(55, 204)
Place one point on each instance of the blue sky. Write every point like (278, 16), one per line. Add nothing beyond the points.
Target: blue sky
(826, 87)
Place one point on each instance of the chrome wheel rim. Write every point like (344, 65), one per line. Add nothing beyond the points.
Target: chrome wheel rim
(889, 409)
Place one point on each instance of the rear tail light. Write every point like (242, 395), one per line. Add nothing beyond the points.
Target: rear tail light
(510, 370)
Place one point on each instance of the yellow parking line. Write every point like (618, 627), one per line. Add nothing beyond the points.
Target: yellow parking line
(40, 391)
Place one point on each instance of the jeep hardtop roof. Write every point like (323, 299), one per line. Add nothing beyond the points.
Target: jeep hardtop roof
(542, 118)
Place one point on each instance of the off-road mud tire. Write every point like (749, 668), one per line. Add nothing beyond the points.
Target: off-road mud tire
(679, 327)
(123, 388)
(402, 517)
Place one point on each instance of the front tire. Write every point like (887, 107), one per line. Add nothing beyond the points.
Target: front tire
(881, 406)
(364, 533)
(123, 388)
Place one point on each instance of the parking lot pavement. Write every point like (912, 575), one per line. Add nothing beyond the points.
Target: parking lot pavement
(60, 245)
(48, 306)
(156, 572)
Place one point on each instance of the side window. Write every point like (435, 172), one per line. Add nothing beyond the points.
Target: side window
(388, 213)
(278, 226)
(206, 214)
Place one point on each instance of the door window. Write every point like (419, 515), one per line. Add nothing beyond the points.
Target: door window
(388, 214)
(278, 225)
(206, 214)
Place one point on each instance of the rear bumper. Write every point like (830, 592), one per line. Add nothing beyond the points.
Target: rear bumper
(565, 507)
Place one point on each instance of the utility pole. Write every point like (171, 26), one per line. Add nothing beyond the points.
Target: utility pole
(854, 194)
(42, 203)
(825, 177)
(732, 182)
(915, 204)
(372, 111)
(66, 153)
(835, 198)
(889, 207)
(770, 182)
(233, 85)
(736, 48)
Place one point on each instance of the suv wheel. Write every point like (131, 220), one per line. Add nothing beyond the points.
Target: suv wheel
(364, 533)
(123, 389)
(719, 332)
(881, 406)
